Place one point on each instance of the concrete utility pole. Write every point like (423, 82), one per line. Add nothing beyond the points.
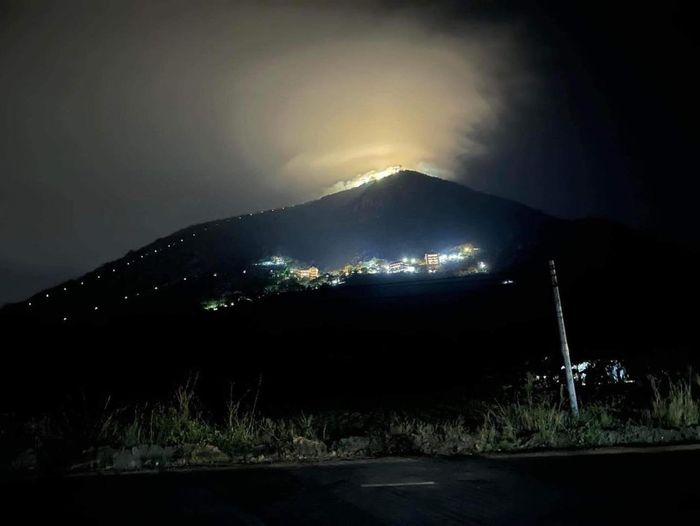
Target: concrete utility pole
(564, 344)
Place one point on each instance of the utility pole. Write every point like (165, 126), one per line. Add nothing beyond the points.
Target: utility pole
(564, 344)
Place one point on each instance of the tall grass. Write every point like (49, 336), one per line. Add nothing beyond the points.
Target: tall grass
(181, 420)
(173, 422)
(533, 418)
(676, 405)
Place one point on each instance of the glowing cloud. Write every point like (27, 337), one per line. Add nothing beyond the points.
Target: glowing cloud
(363, 91)
(359, 180)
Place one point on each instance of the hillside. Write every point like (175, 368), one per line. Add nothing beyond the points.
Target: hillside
(405, 214)
(143, 312)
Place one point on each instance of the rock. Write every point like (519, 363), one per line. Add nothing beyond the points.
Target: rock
(208, 454)
(401, 444)
(95, 459)
(377, 445)
(103, 457)
(177, 456)
(307, 448)
(153, 456)
(353, 446)
(141, 456)
(448, 445)
(690, 433)
(127, 459)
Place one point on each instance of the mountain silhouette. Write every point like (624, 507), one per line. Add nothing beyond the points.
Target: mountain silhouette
(617, 288)
(404, 215)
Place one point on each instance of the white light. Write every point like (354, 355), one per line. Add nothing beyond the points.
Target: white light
(405, 260)
(244, 272)
(30, 303)
(95, 308)
(185, 279)
(114, 270)
(214, 274)
(141, 256)
(98, 277)
(65, 318)
(360, 179)
(47, 295)
(127, 263)
(182, 241)
(155, 288)
(64, 288)
(126, 297)
(82, 283)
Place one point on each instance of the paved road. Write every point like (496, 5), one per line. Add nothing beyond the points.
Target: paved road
(610, 489)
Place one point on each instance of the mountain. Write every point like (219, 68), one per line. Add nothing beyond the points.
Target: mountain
(144, 308)
(406, 214)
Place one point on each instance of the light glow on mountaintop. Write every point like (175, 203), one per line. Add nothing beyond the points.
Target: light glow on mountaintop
(360, 179)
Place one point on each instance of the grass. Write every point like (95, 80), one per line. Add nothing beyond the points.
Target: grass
(675, 406)
(542, 424)
(532, 418)
(535, 420)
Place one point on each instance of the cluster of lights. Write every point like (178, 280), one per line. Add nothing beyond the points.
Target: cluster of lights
(274, 261)
(216, 305)
(398, 269)
(407, 264)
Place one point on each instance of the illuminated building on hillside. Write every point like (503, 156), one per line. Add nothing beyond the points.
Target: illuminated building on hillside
(397, 266)
(274, 261)
(432, 260)
(401, 266)
(306, 273)
(468, 249)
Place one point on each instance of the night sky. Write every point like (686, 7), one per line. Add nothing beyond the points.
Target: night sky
(124, 121)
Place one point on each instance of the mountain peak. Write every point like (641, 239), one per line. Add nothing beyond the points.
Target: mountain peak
(406, 213)
(410, 176)
(397, 183)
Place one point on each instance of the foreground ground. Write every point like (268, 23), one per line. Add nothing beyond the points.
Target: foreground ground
(582, 489)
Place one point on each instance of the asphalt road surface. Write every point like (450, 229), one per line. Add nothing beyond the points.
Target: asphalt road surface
(602, 489)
